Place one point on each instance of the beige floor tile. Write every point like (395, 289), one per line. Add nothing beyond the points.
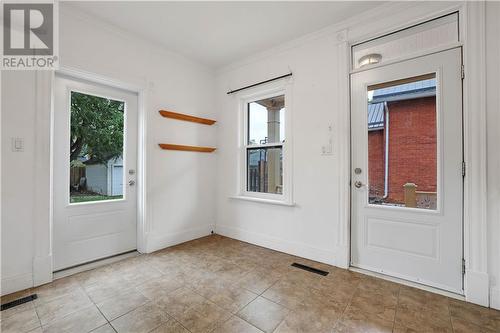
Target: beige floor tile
(463, 326)
(159, 287)
(411, 318)
(236, 325)
(179, 301)
(104, 329)
(19, 322)
(82, 321)
(116, 306)
(379, 302)
(172, 326)
(485, 318)
(111, 287)
(56, 289)
(320, 318)
(139, 273)
(141, 320)
(201, 284)
(62, 306)
(360, 322)
(96, 275)
(230, 297)
(203, 317)
(258, 281)
(287, 293)
(263, 314)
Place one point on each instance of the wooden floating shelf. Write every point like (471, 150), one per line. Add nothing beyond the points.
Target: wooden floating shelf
(167, 146)
(185, 117)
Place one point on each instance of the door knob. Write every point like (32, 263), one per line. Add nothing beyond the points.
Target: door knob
(358, 184)
(131, 182)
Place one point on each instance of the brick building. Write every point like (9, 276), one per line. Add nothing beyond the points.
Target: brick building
(402, 140)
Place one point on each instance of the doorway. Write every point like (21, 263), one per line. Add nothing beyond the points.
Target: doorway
(94, 171)
(407, 180)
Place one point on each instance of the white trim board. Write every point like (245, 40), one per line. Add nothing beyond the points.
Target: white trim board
(495, 298)
(158, 242)
(408, 283)
(16, 283)
(277, 244)
(94, 264)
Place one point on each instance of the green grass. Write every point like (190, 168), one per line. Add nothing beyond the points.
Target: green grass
(98, 197)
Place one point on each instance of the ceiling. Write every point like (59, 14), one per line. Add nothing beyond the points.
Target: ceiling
(219, 33)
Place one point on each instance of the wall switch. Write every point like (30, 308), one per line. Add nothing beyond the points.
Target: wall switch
(328, 148)
(17, 145)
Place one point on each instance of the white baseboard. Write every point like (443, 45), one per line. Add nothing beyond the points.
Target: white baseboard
(42, 270)
(93, 264)
(495, 298)
(477, 288)
(16, 283)
(294, 248)
(157, 242)
(343, 259)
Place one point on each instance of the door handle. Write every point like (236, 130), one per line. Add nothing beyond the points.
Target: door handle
(131, 182)
(358, 184)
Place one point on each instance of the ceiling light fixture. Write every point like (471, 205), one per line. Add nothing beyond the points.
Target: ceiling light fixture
(369, 59)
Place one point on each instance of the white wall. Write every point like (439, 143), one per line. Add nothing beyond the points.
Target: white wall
(310, 228)
(493, 121)
(180, 185)
(18, 178)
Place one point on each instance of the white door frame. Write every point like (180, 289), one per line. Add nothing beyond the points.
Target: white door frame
(44, 86)
(472, 40)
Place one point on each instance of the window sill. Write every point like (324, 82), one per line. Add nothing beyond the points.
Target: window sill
(264, 201)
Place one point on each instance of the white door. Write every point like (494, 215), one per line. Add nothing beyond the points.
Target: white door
(407, 170)
(94, 125)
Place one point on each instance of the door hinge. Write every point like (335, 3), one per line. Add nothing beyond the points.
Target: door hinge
(463, 266)
(463, 168)
(462, 72)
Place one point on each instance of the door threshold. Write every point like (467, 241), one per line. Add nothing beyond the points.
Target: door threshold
(408, 283)
(93, 264)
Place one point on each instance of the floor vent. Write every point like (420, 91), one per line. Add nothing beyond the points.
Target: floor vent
(19, 302)
(310, 269)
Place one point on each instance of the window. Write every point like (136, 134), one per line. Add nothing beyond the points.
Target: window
(264, 148)
(96, 148)
(403, 143)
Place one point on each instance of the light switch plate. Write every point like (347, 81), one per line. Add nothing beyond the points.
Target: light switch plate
(17, 145)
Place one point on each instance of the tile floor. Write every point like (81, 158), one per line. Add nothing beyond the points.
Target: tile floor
(217, 284)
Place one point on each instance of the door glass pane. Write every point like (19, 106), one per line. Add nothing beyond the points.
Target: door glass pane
(402, 143)
(96, 148)
(266, 120)
(265, 170)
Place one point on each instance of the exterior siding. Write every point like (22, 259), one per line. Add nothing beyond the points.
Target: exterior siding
(97, 178)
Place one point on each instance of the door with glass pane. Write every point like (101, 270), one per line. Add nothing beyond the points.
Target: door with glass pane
(406, 121)
(95, 158)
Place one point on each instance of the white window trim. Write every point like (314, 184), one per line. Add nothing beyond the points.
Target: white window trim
(271, 90)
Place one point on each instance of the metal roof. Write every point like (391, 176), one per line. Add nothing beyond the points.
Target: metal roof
(417, 89)
(376, 114)
(376, 110)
